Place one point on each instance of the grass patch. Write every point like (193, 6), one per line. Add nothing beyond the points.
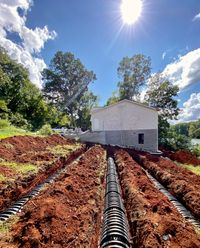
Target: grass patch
(190, 167)
(13, 131)
(3, 178)
(194, 169)
(62, 150)
(5, 228)
(19, 167)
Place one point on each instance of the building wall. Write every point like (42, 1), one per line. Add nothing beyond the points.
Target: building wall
(124, 116)
(121, 124)
(129, 138)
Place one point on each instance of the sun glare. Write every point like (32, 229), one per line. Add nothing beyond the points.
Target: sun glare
(131, 10)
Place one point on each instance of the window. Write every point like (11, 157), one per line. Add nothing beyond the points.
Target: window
(141, 138)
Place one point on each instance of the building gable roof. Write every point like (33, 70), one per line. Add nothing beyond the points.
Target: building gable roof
(96, 109)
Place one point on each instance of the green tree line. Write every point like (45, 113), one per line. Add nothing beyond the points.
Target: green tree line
(26, 106)
(66, 101)
(189, 129)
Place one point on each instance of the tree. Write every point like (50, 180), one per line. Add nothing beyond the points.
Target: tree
(182, 128)
(84, 106)
(161, 95)
(20, 100)
(113, 99)
(65, 80)
(194, 127)
(175, 141)
(134, 72)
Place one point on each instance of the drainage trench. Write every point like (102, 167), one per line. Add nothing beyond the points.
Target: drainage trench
(115, 232)
(176, 203)
(19, 204)
(181, 209)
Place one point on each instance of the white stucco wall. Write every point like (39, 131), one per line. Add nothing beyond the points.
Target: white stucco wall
(124, 116)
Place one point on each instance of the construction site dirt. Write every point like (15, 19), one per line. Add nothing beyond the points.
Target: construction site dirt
(27, 161)
(68, 212)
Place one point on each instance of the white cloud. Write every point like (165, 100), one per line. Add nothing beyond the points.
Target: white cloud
(185, 70)
(32, 40)
(163, 55)
(196, 17)
(191, 109)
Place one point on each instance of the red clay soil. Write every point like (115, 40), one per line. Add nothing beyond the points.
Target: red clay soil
(10, 192)
(20, 187)
(153, 220)
(18, 147)
(69, 213)
(182, 156)
(183, 184)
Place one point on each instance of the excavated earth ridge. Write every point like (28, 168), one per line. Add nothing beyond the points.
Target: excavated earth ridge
(153, 220)
(69, 212)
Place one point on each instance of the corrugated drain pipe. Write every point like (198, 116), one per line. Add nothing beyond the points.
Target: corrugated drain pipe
(115, 226)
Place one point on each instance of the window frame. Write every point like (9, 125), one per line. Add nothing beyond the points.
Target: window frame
(141, 138)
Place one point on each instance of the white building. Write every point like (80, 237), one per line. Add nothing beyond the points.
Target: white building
(125, 123)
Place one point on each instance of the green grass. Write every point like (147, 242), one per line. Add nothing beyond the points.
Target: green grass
(5, 228)
(194, 169)
(62, 150)
(19, 167)
(190, 167)
(3, 178)
(13, 131)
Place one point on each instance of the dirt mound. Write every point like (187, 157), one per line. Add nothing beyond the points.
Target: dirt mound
(11, 191)
(12, 148)
(154, 222)
(69, 213)
(183, 184)
(185, 157)
(182, 156)
(37, 152)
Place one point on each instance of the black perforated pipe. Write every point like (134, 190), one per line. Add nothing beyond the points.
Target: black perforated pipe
(115, 227)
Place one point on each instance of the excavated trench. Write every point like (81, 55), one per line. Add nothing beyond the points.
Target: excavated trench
(154, 221)
(18, 205)
(138, 211)
(115, 231)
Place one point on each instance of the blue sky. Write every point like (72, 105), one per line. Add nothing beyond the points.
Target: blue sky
(93, 30)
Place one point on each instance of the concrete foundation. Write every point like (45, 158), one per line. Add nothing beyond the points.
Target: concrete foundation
(125, 138)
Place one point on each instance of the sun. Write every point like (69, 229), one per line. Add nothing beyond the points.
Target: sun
(131, 11)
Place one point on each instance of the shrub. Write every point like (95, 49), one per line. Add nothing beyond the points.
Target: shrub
(4, 124)
(19, 121)
(196, 150)
(46, 130)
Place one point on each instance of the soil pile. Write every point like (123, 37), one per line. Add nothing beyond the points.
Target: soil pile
(153, 220)
(183, 184)
(185, 157)
(182, 156)
(35, 151)
(68, 214)
(12, 149)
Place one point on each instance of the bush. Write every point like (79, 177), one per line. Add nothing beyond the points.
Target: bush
(18, 121)
(4, 124)
(46, 130)
(175, 141)
(196, 150)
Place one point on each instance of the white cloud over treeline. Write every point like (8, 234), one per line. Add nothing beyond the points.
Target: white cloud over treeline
(184, 71)
(13, 15)
(191, 109)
